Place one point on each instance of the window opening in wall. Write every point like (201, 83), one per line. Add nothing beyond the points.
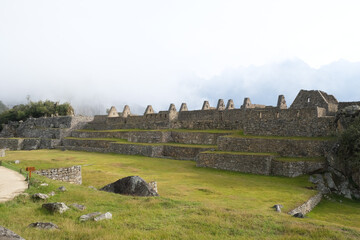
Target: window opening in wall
(308, 100)
(277, 115)
(165, 115)
(260, 115)
(298, 114)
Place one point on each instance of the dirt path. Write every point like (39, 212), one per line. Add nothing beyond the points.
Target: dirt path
(11, 184)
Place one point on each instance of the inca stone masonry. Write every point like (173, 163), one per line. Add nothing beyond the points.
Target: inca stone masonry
(271, 140)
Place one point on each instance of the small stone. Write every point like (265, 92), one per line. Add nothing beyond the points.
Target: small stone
(92, 187)
(44, 225)
(56, 207)
(103, 216)
(52, 193)
(153, 184)
(62, 189)
(78, 206)
(44, 184)
(298, 215)
(6, 234)
(17, 161)
(89, 216)
(41, 196)
(278, 207)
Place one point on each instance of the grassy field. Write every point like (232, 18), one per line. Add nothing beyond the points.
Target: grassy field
(194, 203)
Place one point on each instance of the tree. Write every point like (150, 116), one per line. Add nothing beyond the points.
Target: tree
(35, 109)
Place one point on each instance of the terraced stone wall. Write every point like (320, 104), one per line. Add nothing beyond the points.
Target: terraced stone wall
(264, 121)
(240, 163)
(284, 147)
(257, 164)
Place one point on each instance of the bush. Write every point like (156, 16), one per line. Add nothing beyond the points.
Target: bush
(349, 148)
(35, 109)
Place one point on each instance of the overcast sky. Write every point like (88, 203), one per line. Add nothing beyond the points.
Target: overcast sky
(140, 52)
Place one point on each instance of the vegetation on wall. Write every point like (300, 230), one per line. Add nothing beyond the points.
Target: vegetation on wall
(349, 149)
(35, 109)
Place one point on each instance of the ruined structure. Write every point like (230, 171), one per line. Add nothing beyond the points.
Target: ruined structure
(270, 140)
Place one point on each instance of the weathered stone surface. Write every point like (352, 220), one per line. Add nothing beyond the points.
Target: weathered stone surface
(62, 189)
(132, 185)
(44, 225)
(70, 174)
(104, 216)
(6, 234)
(52, 193)
(92, 187)
(41, 196)
(17, 161)
(278, 207)
(308, 205)
(78, 206)
(44, 184)
(58, 207)
(153, 184)
(242, 163)
(329, 181)
(285, 147)
(89, 216)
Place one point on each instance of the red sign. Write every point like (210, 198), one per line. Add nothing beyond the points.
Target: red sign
(29, 169)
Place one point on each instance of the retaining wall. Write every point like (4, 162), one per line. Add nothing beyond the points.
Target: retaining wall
(240, 163)
(285, 147)
(70, 174)
(257, 164)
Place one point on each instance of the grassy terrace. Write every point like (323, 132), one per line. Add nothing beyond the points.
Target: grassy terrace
(236, 132)
(125, 141)
(194, 203)
(230, 133)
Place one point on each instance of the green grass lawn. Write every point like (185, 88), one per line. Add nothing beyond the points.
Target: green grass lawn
(194, 203)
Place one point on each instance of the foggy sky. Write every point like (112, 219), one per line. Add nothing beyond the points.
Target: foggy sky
(102, 53)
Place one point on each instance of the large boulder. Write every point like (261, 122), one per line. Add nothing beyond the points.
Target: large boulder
(132, 185)
(6, 234)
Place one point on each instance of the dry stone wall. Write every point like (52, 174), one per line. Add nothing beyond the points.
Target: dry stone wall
(70, 174)
(308, 205)
(284, 147)
(266, 121)
(295, 168)
(240, 163)
(257, 164)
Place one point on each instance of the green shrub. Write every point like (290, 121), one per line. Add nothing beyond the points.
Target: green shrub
(35, 109)
(349, 148)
